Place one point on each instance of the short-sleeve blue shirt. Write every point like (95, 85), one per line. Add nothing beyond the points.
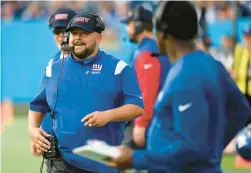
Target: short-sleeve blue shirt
(96, 84)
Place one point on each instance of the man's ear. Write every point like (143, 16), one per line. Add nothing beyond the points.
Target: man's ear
(99, 38)
(159, 35)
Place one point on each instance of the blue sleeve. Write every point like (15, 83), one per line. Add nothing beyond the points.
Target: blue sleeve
(130, 88)
(39, 103)
(190, 113)
(237, 109)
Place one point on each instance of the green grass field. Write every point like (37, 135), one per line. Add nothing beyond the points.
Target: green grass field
(16, 157)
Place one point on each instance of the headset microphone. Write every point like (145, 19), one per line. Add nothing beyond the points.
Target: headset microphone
(64, 47)
(156, 54)
(67, 48)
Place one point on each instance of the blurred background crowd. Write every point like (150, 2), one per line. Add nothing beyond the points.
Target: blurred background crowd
(26, 10)
(210, 12)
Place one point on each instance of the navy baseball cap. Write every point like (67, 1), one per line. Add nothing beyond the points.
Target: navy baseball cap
(139, 14)
(61, 18)
(89, 22)
(246, 29)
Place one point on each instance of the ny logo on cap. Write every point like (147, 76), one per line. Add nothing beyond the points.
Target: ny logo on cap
(60, 16)
(81, 19)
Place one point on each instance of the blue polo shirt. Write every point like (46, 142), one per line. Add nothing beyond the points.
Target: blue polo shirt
(96, 84)
(198, 111)
(47, 122)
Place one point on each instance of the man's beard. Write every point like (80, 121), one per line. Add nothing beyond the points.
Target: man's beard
(86, 52)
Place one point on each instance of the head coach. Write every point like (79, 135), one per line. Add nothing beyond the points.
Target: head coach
(89, 94)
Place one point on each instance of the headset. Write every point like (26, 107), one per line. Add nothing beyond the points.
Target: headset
(138, 24)
(165, 22)
(162, 25)
(51, 19)
(136, 18)
(63, 10)
(100, 25)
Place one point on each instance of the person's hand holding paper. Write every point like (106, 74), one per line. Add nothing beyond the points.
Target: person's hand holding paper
(98, 151)
(124, 160)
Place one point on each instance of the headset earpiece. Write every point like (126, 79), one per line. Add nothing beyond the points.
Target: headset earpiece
(159, 16)
(100, 23)
(166, 15)
(50, 20)
(139, 19)
(67, 34)
(66, 37)
(138, 27)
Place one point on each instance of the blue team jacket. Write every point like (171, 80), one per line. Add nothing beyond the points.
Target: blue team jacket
(199, 110)
(96, 84)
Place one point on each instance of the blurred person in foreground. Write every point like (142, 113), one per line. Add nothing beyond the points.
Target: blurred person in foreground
(89, 94)
(58, 23)
(151, 71)
(198, 111)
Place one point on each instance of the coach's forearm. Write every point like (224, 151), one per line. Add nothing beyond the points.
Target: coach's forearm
(35, 118)
(125, 113)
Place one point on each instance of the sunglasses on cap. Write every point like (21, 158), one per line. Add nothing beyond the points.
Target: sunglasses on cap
(58, 31)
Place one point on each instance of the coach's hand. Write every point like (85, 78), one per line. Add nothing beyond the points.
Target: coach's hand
(96, 119)
(37, 135)
(34, 150)
(124, 161)
(139, 136)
